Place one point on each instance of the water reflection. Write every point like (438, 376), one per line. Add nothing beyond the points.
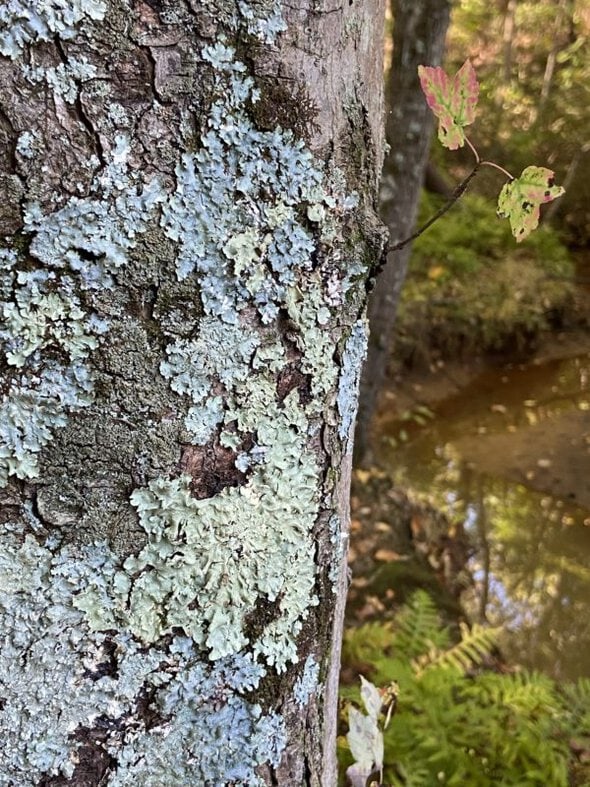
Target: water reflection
(509, 458)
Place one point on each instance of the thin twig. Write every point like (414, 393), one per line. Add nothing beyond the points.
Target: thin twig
(458, 191)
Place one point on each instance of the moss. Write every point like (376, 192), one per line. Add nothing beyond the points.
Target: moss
(287, 106)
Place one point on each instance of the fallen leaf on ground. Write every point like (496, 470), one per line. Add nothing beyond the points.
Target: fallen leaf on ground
(387, 555)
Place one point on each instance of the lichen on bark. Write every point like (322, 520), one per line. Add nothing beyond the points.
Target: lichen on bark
(179, 299)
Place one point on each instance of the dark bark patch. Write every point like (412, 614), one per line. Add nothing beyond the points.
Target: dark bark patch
(131, 78)
(94, 761)
(291, 378)
(108, 666)
(147, 710)
(212, 467)
(262, 615)
(287, 104)
(11, 194)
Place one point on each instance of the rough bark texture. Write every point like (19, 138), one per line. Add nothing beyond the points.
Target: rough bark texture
(418, 39)
(188, 203)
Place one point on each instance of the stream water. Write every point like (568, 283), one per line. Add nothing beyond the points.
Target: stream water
(509, 458)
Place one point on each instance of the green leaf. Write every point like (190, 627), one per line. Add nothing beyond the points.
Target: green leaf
(520, 199)
(453, 101)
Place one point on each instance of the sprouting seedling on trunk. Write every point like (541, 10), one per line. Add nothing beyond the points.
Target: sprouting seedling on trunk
(453, 101)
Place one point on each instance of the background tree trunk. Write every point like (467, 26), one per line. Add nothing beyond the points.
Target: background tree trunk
(188, 199)
(418, 39)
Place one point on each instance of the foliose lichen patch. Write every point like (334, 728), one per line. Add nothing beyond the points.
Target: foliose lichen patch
(23, 22)
(353, 356)
(65, 79)
(53, 667)
(208, 562)
(247, 186)
(245, 211)
(46, 332)
(307, 683)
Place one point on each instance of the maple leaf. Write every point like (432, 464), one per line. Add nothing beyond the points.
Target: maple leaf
(453, 101)
(521, 198)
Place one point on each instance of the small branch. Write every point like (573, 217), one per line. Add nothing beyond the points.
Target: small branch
(458, 191)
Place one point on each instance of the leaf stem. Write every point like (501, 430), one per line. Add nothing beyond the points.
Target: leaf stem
(473, 150)
(498, 167)
(459, 189)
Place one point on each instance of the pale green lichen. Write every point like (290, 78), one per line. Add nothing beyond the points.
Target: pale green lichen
(37, 320)
(339, 541)
(65, 79)
(308, 309)
(28, 144)
(35, 316)
(92, 237)
(353, 356)
(247, 184)
(307, 684)
(209, 563)
(262, 19)
(57, 679)
(32, 408)
(221, 353)
(222, 737)
(26, 22)
(248, 212)
(46, 335)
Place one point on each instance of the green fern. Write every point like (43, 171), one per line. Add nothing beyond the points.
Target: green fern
(524, 693)
(577, 697)
(366, 644)
(417, 627)
(475, 645)
(457, 726)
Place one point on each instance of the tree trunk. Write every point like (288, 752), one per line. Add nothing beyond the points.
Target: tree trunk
(418, 39)
(508, 34)
(188, 198)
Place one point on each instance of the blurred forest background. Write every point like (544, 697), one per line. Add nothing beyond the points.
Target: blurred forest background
(470, 545)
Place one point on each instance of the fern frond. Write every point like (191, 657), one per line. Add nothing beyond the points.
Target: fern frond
(577, 702)
(367, 643)
(475, 645)
(418, 627)
(529, 692)
(526, 693)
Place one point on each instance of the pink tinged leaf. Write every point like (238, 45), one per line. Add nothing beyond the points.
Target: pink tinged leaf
(465, 94)
(521, 198)
(452, 101)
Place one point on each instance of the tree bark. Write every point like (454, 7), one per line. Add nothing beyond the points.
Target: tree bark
(418, 39)
(188, 205)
